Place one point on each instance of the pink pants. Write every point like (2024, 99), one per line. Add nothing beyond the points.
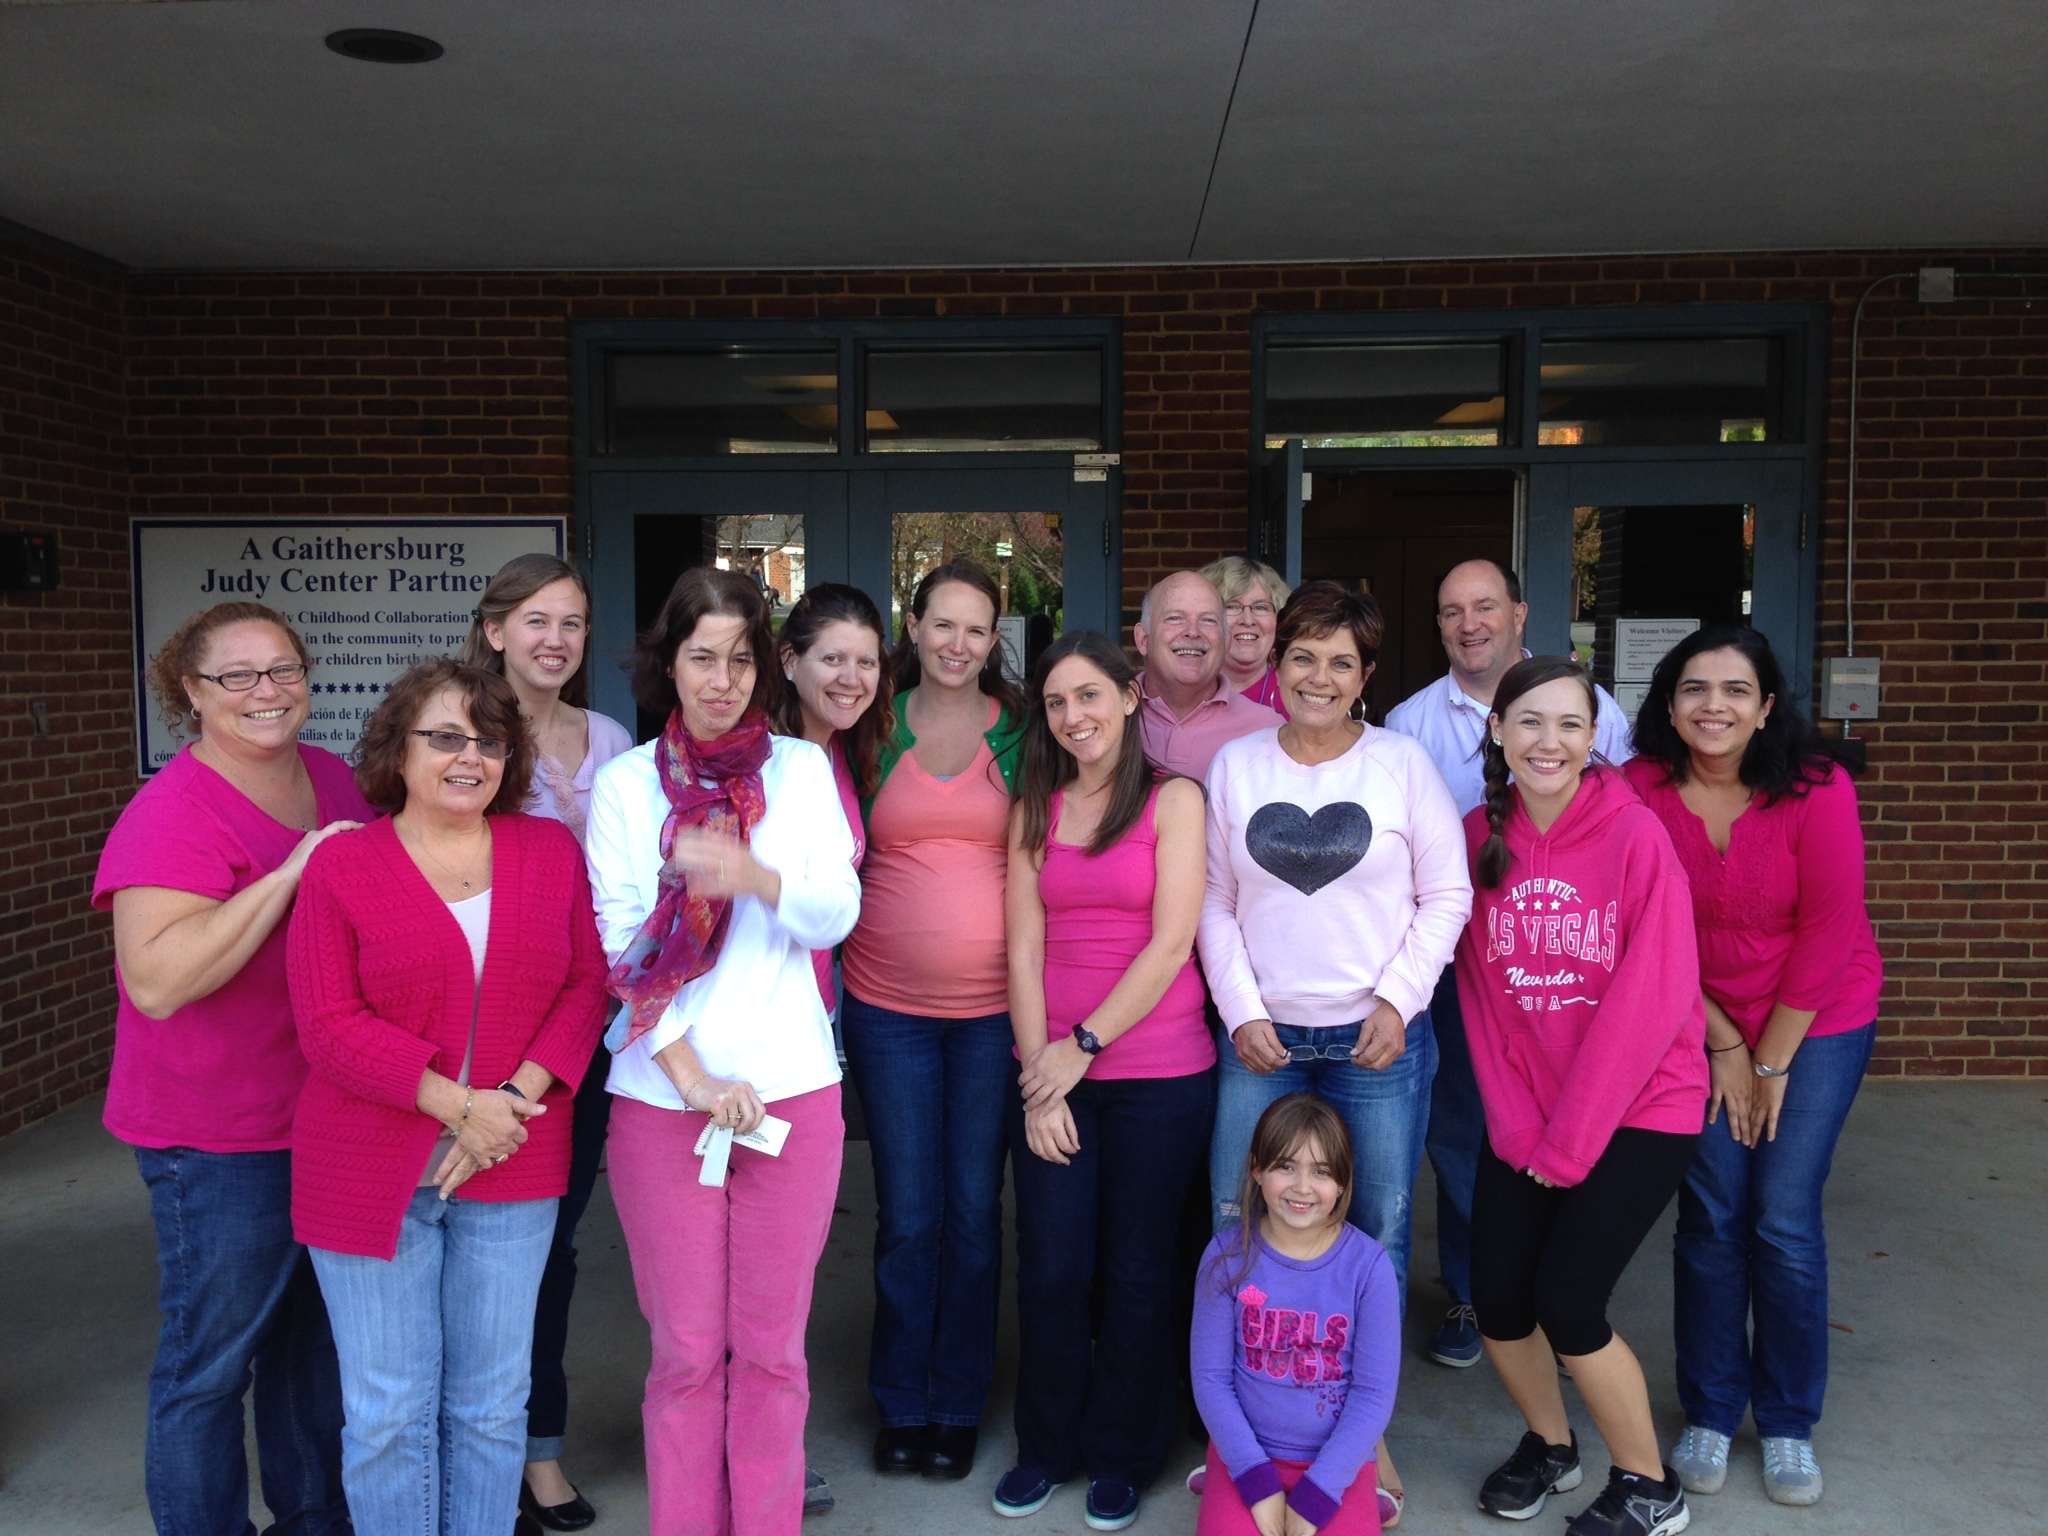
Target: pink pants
(1224, 1513)
(726, 1272)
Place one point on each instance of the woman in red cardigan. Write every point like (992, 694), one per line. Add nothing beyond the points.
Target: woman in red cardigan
(439, 951)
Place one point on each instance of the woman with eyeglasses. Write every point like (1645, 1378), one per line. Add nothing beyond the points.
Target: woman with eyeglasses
(200, 872)
(531, 627)
(449, 987)
(1253, 594)
(1336, 891)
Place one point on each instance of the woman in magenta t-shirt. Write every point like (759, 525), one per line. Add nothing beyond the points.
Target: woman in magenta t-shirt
(1766, 828)
(1111, 1126)
(200, 873)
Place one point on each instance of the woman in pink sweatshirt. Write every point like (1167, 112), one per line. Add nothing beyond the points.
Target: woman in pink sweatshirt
(1580, 982)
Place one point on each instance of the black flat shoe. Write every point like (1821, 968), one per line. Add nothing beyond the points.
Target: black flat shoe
(949, 1453)
(899, 1449)
(576, 1515)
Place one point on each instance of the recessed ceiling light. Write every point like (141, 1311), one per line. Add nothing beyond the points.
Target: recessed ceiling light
(380, 45)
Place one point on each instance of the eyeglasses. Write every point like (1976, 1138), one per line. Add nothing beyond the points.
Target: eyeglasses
(1255, 610)
(454, 741)
(242, 679)
(1319, 1052)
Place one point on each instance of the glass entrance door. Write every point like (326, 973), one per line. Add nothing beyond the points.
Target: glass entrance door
(1041, 532)
(1625, 559)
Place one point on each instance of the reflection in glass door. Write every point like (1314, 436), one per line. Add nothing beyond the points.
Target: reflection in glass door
(1023, 551)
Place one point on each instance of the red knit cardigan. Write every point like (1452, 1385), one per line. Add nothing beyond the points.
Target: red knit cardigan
(382, 982)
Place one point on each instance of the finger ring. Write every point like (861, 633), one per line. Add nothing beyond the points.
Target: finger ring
(501, 1157)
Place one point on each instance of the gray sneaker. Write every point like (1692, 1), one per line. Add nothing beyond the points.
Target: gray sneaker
(1791, 1475)
(817, 1493)
(1701, 1459)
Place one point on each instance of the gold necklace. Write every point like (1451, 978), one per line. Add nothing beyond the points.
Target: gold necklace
(419, 841)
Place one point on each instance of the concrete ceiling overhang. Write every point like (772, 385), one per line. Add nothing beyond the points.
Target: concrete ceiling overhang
(658, 133)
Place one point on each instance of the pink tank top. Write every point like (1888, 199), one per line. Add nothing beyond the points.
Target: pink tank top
(1098, 915)
(930, 940)
(849, 802)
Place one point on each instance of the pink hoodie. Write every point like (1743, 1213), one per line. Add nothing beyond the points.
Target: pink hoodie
(1579, 981)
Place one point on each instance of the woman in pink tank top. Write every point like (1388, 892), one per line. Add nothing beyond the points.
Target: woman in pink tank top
(1110, 1127)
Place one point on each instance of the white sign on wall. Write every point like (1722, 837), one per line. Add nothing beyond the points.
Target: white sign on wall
(368, 598)
(1639, 644)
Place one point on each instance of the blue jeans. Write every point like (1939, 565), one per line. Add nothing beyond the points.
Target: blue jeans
(1751, 1254)
(435, 1361)
(1385, 1112)
(935, 1092)
(1457, 1130)
(1096, 1399)
(547, 1404)
(239, 1301)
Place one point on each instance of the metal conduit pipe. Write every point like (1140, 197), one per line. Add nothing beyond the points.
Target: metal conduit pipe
(1855, 359)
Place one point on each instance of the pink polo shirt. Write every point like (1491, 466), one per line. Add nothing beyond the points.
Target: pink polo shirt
(1187, 746)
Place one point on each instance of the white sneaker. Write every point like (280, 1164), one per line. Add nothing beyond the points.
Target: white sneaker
(1701, 1459)
(1791, 1475)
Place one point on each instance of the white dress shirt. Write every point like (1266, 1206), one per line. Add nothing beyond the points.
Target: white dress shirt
(755, 1015)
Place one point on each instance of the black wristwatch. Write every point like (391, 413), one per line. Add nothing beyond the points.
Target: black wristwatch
(1088, 1040)
(508, 1086)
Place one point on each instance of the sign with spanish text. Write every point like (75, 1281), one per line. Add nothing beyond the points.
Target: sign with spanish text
(368, 599)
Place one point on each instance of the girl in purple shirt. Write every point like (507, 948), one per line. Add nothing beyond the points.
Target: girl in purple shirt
(1296, 1348)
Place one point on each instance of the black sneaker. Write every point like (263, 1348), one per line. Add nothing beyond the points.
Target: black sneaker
(1631, 1505)
(1519, 1485)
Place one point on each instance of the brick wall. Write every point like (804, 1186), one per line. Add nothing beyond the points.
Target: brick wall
(62, 468)
(429, 394)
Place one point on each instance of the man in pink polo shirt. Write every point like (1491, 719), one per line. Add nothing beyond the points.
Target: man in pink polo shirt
(1187, 707)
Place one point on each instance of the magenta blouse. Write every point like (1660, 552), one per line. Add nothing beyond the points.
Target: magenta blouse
(1781, 915)
(849, 801)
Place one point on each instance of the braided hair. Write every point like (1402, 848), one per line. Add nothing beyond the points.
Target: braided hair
(1523, 677)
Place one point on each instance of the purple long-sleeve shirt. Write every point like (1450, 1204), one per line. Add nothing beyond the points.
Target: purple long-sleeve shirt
(1296, 1361)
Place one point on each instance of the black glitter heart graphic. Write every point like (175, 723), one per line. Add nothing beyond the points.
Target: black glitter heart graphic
(1308, 852)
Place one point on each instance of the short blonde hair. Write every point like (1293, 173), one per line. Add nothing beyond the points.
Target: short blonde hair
(1234, 575)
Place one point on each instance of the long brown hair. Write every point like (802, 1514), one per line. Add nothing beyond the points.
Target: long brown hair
(1287, 1124)
(831, 602)
(1046, 766)
(1526, 675)
(517, 580)
(995, 682)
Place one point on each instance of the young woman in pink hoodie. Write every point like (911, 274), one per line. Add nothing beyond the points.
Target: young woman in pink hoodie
(1579, 971)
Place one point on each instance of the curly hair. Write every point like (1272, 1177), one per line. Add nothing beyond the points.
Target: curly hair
(493, 711)
(181, 655)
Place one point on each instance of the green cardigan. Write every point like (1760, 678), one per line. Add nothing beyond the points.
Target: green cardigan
(1005, 739)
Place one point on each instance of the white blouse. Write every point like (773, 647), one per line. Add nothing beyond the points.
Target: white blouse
(756, 1014)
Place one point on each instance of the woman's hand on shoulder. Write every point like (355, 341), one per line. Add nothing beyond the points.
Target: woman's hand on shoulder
(1258, 1046)
(295, 864)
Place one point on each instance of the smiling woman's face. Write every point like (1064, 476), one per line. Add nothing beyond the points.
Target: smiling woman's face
(1322, 679)
(457, 784)
(714, 675)
(1718, 705)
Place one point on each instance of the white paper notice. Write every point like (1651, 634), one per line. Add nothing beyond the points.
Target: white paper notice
(1639, 644)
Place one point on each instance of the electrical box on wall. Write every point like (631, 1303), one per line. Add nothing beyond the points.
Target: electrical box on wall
(28, 562)
(1848, 688)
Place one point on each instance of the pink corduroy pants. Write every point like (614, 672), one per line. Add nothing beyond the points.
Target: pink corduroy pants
(724, 1279)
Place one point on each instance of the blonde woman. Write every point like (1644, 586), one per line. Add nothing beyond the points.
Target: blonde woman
(1253, 595)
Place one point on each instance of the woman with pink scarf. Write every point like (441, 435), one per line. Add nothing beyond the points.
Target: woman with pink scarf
(719, 859)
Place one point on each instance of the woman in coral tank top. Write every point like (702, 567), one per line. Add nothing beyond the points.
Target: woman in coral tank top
(927, 1023)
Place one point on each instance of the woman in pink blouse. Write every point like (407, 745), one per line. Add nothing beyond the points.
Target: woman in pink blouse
(1253, 594)
(1765, 824)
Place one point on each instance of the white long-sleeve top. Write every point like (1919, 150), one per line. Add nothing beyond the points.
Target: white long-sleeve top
(756, 1014)
(1332, 887)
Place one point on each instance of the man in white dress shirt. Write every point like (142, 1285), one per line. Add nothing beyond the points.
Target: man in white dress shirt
(1480, 617)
